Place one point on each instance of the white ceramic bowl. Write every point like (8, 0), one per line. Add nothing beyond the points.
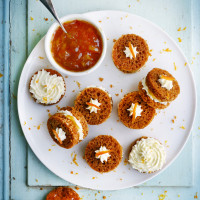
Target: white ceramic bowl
(48, 39)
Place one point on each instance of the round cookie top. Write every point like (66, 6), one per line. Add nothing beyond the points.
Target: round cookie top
(62, 193)
(147, 155)
(95, 103)
(130, 52)
(47, 87)
(162, 84)
(149, 98)
(103, 153)
(134, 112)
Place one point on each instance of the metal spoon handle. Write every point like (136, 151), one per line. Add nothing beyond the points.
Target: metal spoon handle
(49, 5)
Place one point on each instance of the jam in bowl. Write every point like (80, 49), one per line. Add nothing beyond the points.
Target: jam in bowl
(78, 52)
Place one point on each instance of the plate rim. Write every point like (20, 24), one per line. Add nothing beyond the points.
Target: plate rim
(194, 99)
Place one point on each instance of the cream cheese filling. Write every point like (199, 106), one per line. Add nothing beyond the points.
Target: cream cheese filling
(145, 87)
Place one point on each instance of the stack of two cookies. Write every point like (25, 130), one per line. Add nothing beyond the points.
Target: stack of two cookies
(67, 127)
(159, 88)
(137, 109)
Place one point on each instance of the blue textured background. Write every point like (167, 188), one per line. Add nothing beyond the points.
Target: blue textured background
(16, 24)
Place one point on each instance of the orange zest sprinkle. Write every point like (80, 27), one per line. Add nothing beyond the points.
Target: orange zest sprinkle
(91, 104)
(167, 50)
(175, 67)
(195, 196)
(167, 78)
(44, 99)
(57, 137)
(184, 28)
(101, 79)
(102, 152)
(179, 29)
(131, 49)
(182, 127)
(125, 161)
(37, 81)
(74, 160)
(78, 84)
(134, 112)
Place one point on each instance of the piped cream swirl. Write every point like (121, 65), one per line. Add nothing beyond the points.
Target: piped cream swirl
(104, 156)
(46, 88)
(61, 134)
(147, 155)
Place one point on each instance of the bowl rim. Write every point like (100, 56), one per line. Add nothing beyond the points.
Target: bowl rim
(52, 30)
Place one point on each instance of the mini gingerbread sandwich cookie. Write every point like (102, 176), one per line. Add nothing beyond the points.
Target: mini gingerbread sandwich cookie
(159, 88)
(134, 112)
(163, 85)
(95, 103)
(147, 155)
(130, 52)
(47, 87)
(67, 127)
(62, 193)
(103, 153)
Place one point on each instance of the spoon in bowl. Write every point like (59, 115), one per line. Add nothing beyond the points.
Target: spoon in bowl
(49, 5)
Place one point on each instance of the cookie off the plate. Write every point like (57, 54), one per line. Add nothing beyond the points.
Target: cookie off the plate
(130, 53)
(62, 193)
(95, 103)
(134, 113)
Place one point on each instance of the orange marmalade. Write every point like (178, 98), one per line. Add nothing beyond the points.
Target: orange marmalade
(80, 49)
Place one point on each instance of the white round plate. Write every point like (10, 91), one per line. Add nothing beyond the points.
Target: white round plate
(33, 117)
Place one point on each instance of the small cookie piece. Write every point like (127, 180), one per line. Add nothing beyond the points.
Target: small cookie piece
(147, 155)
(134, 112)
(47, 87)
(62, 193)
(162, 84)
(103, 153)
(67, 127)
(95, 103)
(130, 52)
(149, 98)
